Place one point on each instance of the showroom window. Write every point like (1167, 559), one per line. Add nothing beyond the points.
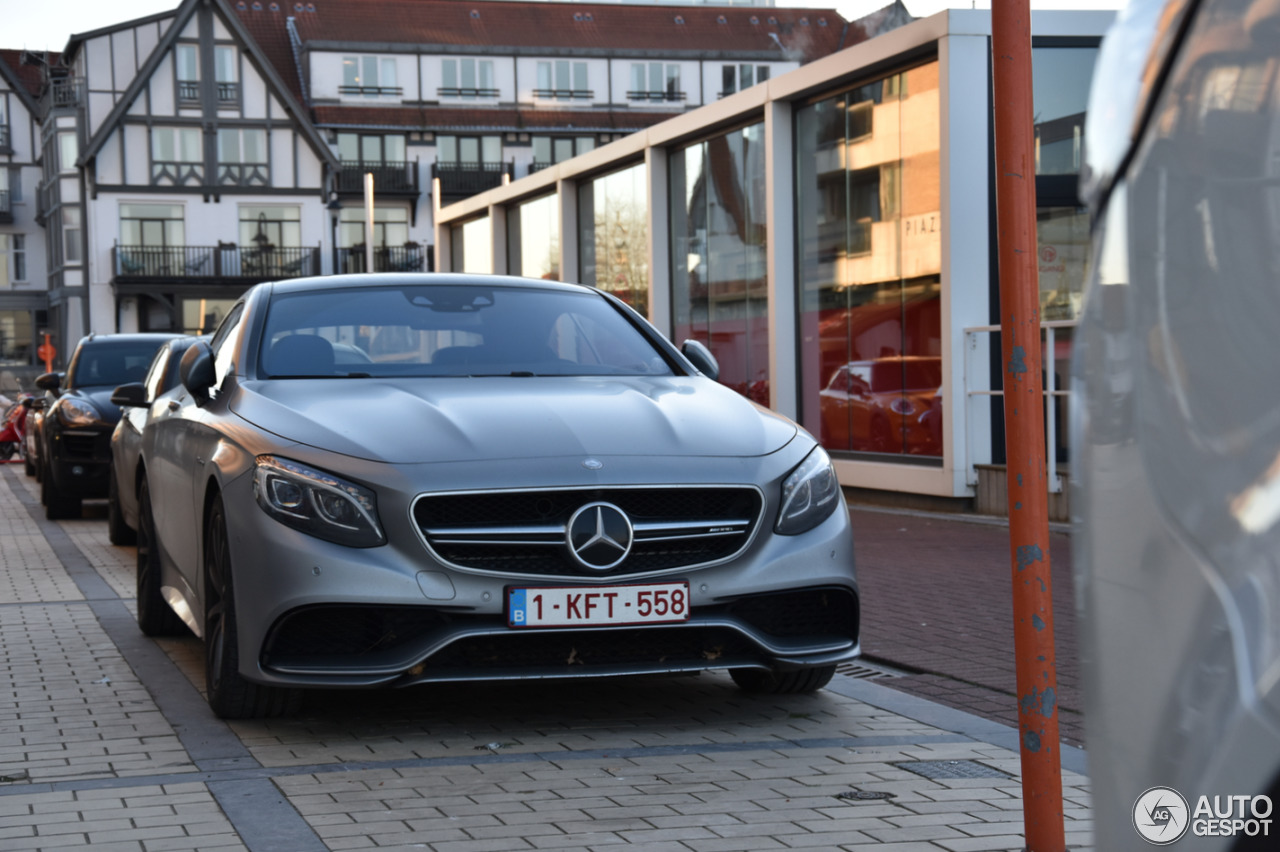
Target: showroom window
(613, 241)
(718, 245)
(870, 262)
(533, 238)
(471, 245)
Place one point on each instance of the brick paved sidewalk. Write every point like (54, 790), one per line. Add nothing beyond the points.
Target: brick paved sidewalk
(106, 744)
(937, 600)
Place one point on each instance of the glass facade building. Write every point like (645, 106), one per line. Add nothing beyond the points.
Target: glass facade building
(830, 238)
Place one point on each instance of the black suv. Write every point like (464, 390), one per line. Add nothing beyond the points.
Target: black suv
(75, 441)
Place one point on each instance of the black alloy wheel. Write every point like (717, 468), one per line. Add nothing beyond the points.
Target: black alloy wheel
(118, 532)
(793, 682)
(229, 694)
(155, 616)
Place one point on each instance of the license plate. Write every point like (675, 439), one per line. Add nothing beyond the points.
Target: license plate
(582, 606)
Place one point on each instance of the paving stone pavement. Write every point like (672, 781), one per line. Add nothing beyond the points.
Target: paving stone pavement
(106, 744)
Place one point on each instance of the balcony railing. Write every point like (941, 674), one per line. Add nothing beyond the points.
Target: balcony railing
(461, 179)
(188, 90)
(565, 94)
(227, 93)
(6, 208)
(62, 93)
(4, 137)
(138, 263)
(465, 92)
(385, 259)
(656, 96)
(388, 177)
(244, 174)
(371, 90)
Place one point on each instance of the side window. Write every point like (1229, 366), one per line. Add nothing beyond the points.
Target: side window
(223, 342)
(155, 380)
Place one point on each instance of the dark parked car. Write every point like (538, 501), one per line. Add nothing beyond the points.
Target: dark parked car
(75, 433)
(388, 480)
(135, 401)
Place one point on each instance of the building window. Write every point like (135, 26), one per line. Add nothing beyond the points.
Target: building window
(613, 235)
(548, 150)
(177, 157)
(68, 150)
(187, 66)
(654, 81)
(467, 78)
(152, 240)
(10, 191)
(533, 238)
(71, 234)
(17, 328)
(271, 242)
(5, 142)
(719, 241)
(369, 75)
(470, 152)
(226, 74)
(562, 80)
(242, 157)
(13, 260)
(371, 149)
(735, 78)
(870, 261)
(390, 227)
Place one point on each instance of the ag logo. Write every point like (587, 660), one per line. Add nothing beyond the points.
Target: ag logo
(1161, 816)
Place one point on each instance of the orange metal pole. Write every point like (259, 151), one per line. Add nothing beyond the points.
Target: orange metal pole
(1037, 681)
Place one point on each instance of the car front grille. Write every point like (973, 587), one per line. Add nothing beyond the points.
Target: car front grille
(523, 532)
(82, 446)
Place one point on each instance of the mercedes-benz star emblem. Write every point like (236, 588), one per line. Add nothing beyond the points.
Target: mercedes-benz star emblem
(592, 464)
(599, 536)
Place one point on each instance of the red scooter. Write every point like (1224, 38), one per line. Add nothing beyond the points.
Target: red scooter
(13, 427)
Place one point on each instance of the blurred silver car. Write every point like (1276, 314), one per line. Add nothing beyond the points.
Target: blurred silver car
(396, 479)
(1178, 428)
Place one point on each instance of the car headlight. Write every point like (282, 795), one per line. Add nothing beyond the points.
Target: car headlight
(317, 503)
(78, 412)
(809, 495)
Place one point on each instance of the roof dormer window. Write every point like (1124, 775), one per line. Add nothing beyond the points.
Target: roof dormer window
(369, 75)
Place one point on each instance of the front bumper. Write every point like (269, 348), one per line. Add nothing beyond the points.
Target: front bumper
(316, 614)
(80, 461)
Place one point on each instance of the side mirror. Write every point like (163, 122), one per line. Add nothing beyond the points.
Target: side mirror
(195, 370)
(27, 401)
(132, 395)
(49, 381)
(701, 357)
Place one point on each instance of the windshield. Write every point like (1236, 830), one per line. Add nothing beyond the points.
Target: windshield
(111, 363)
(438, 330)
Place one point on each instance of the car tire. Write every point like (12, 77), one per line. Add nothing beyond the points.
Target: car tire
(230, 695)
(7, 449)
(57, 505)
(118, 532)
(793, 682)
(155, 616)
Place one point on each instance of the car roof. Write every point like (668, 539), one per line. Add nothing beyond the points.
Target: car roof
(449, 279)
(156, 337)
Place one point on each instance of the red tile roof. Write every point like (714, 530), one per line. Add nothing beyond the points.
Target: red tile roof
(267, 28)
(28, 75)
(456, 118)
(805, 34)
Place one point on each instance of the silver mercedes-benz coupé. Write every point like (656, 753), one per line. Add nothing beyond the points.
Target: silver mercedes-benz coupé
(388, 480)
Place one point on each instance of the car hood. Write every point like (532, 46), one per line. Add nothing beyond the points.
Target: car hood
(407, 421)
